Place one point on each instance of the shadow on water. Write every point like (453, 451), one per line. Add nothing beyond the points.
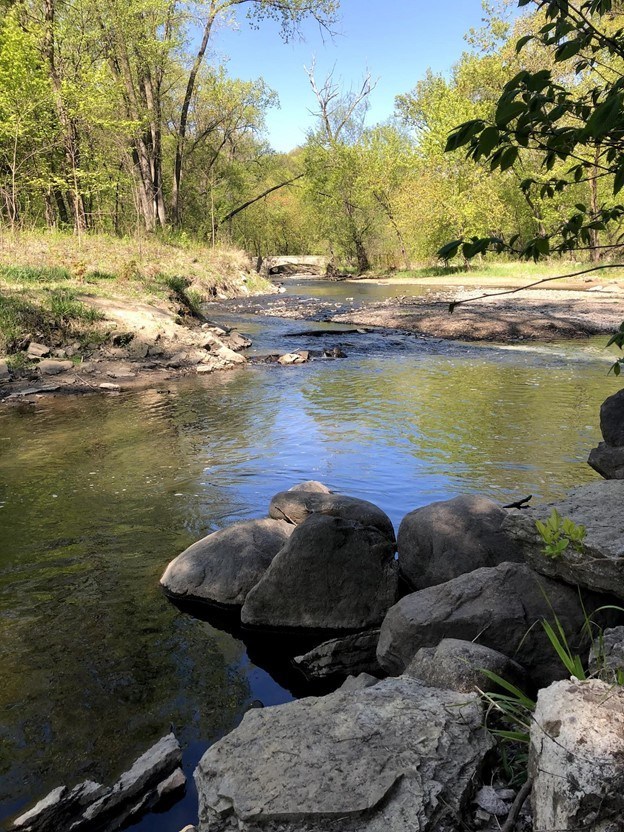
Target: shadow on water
(272, 650)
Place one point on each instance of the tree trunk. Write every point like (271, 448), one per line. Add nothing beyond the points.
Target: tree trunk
(183, 123)
(594, 251)
(362, 257)
(71, 141)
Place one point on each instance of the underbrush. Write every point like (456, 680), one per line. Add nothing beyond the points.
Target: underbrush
(46, 280)
(52, 317)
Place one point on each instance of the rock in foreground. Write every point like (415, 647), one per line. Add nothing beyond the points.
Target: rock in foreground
(332, 574)
(575, 757)
(91, 806)
(224, 566)
(346, 656)
(397, 756)
(443, 540)
(607, 461)
(296, 506)
(500, 606)
(599, 565)
(459, 665)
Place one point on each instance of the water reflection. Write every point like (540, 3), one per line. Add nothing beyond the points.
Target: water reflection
(97, 495)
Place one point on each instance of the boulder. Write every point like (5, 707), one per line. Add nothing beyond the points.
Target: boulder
(346, 656)
(297, 506)
(36, 350)
(607, 461)
(363, 680)
(612, 419)
(52, 367)
(575, 757)
(151, 768)
(293, 358)
(395, 756)
(59, 807)
(459, 665)
(235, 341)
(499, 606)
(311, 485)
(224, 566)
(599, 563)
(332, 574)
(5, 373)
(443, 540)
(91, 806)
(606, 657)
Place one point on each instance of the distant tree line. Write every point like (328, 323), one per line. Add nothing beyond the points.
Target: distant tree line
(114, 116)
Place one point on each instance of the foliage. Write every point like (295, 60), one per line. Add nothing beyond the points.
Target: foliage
(558, 533)
(570, 121)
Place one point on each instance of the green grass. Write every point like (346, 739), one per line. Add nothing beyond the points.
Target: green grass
(507, 269)
(54, 316)
(30, 274)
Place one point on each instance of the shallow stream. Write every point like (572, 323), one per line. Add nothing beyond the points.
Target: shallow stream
(97, 494)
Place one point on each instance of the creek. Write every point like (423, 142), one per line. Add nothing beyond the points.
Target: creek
(98, 493)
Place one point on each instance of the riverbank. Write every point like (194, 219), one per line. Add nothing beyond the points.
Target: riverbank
(575, 308)
(75, 329)
(93, 314)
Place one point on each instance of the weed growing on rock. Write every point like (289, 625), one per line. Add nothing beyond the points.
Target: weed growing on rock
(558, 533)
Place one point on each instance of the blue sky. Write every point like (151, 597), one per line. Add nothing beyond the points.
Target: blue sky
(395, 39)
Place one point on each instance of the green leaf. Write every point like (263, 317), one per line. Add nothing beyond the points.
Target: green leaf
(488, 140)
(618, 181)
(449, 250)
(567, 50)
(508, 112)
(523, 42)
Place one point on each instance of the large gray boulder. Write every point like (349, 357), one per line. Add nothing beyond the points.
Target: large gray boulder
(458, 665)
(396, 756)
(311, 485)
(224, 566)
(612, 419)
(344, 656)
(606, 657)
(332, 574)
(607, 461)
(599, 563)
(440, 541)
(576, 757)
(500, 607)
(297, 506)
(608, 458)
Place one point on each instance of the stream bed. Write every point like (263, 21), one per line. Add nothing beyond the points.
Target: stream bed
(98, 493)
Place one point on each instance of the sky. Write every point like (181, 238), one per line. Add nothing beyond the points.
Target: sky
(396, 40)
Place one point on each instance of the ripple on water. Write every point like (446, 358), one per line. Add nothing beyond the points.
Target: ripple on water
(98, 494)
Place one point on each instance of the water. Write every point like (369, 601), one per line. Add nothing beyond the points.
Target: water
(97, 494)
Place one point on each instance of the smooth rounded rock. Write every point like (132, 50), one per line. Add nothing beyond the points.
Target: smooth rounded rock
(332, 574)
(458, 665)
(297, 506)
(311, 485)
(440, 541)
(607, 461)
(612, 419)
(500, 606)
(224, 566)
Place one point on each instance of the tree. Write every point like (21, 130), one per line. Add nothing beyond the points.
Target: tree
(335, 165)
(573, 124)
